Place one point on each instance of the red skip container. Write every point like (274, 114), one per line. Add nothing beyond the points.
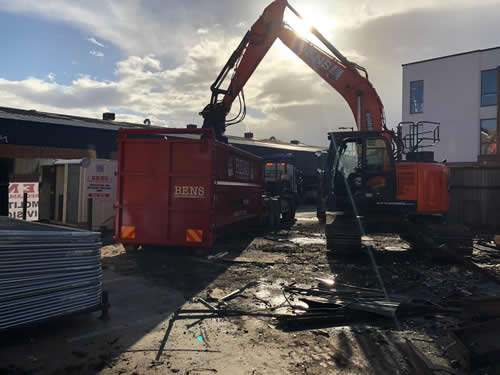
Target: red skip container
(179, 187)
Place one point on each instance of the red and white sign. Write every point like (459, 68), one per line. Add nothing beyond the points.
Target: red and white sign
(16, 196)
(99, 187)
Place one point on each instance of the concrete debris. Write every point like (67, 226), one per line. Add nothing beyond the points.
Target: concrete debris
(217, 294)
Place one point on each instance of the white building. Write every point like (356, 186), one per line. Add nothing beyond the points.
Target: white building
(460, 92)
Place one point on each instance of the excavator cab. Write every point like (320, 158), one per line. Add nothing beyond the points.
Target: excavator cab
(360, 187)
(362, 172)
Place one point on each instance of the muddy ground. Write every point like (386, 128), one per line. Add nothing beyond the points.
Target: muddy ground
(147, 286)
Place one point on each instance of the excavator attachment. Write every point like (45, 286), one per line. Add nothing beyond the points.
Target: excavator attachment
(244, 60)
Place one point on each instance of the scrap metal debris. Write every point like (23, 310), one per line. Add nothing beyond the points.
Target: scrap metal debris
(167, 334)
(237, 292)
(339, 306)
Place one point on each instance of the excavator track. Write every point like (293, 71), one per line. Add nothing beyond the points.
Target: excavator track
(440, 239)
(456, 238)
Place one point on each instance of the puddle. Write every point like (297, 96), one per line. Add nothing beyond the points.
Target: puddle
(396, 248)
(308, 241)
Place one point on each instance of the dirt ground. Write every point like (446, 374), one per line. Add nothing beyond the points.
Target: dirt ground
(147, 286)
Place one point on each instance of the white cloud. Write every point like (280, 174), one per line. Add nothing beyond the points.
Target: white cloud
(94, 41)
(174, 52)
(51, 76)
(96, 53)
(167, 27)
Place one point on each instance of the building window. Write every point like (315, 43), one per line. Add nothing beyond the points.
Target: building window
(489, 87)
(416, 96)
(489, 136)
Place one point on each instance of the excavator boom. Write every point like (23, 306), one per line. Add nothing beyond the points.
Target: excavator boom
(357, 90)
(341, 74)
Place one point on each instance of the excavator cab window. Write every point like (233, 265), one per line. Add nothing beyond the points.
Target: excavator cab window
(347, 164)
(350, 157)
(377, 156)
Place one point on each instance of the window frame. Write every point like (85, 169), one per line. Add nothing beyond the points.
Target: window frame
(488, 93)
(480, 129)
(412, 111)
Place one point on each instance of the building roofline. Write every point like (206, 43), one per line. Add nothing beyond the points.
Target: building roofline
(453, 55)
(274, 144)
(87, 122)
(63, 119)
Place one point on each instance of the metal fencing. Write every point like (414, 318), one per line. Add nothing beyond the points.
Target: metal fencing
(475, 198)
(46, 272)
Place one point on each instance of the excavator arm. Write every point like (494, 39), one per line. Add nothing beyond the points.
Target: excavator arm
(244, 60)
(341, 74)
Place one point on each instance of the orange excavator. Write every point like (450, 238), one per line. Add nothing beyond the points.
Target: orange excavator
(366, 185)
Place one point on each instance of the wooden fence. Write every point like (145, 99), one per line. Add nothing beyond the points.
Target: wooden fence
(475, 198)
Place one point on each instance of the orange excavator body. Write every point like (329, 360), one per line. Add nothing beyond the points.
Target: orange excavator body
(423, 187)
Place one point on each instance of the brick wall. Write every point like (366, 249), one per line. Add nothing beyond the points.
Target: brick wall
(37, 152)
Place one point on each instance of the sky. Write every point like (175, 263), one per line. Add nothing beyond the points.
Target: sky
(156, 59)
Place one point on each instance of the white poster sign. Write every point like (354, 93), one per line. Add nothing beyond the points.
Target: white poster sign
(100, 182)
(16, 196)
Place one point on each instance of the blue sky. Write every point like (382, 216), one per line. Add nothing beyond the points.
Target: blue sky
(160, 57)
(57, 47)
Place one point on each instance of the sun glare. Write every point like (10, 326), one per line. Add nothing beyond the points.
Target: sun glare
(311, 18)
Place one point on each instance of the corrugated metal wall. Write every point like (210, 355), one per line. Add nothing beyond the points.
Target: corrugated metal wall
(475, 198)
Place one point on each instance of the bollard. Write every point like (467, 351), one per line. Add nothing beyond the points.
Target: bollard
(90, 207)
(25, 205)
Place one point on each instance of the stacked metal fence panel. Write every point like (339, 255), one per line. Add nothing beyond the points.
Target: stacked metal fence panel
(46, 272)
(474, 197)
